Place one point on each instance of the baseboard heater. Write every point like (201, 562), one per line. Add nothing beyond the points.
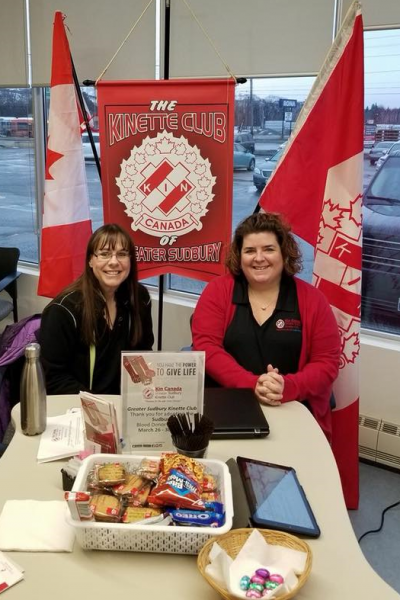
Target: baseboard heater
(379, 441)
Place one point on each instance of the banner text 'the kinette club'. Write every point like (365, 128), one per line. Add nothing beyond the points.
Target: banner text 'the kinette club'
(167, 161)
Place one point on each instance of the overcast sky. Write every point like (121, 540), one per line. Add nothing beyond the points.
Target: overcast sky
(382, 74)
(382, 68)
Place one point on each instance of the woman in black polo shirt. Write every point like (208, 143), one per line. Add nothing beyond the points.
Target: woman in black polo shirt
(262, 327)
(85, 329)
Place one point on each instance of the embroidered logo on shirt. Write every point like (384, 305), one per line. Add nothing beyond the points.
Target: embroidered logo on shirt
(288, 324)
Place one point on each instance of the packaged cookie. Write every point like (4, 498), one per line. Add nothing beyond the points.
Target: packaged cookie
(133, 514)
(131, 487)
(110, 474)
(197, 518)
(92, 482)
(140, 499)
(149, 468)
(106, 507)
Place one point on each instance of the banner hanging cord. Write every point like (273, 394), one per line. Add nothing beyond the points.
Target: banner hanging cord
(227, 68)
(111, 61)
(210, 40)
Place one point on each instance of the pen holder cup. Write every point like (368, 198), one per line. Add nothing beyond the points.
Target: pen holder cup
(193, 453)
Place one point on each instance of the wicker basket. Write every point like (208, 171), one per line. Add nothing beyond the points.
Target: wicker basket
(233, 541)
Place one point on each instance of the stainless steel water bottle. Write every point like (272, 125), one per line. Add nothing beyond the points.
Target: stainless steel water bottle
(33, 393)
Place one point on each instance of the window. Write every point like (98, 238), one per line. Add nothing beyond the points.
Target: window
(262, 126)
(381, 215)
(18, 226)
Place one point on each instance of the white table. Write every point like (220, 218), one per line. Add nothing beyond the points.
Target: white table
(339, 567)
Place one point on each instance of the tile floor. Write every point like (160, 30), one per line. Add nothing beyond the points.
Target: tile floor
(378, 489)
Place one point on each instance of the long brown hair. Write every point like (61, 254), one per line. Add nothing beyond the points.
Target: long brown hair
(92, 299)
(258, 223)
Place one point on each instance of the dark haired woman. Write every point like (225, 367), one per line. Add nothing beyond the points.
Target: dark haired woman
(265, 329)
(105, 311)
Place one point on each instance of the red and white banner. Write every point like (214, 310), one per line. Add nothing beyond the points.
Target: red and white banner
(66, 222)
(318, 186)
(167, 161)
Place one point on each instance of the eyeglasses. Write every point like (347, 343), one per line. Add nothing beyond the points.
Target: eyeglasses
(108, 254)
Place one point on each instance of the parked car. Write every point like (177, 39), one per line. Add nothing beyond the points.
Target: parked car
(261, 175)
(87, 147)
(377, 150)
(246, 139)
(381, 248)
(381, 160)
(242, 158)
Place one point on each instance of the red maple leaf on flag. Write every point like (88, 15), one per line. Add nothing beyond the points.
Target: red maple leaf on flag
(333, 216)
(355, 213)
(51, 158)
(350, 347)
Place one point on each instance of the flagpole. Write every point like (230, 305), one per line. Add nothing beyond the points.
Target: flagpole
(85, 117)
(167, 29)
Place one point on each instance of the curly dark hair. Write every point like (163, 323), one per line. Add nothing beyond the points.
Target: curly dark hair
(258, 223)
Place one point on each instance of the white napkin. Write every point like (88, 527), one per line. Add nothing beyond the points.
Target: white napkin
(34, 526)
(255, 554)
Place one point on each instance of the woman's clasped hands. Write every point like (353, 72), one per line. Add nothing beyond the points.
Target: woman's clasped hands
(269, 387)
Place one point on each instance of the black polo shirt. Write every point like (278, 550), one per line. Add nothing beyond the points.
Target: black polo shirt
(276, 342)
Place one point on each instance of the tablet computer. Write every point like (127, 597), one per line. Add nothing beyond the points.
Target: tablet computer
(275, 497)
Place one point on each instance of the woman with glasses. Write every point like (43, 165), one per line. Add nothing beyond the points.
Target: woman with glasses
(104, 312)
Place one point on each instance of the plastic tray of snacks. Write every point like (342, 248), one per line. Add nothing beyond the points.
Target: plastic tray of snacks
(92, 535)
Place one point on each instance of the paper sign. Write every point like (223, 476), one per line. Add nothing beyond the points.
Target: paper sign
(101, 427)
(10, 573)
(154, 386)
(63, 437)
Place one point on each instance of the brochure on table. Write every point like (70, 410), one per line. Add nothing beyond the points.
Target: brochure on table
(101, 428)
(155, 385)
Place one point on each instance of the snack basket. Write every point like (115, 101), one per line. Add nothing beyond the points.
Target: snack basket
(232, 543)
(93, 535)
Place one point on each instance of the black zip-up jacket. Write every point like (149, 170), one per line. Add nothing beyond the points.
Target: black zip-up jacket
(66, 358)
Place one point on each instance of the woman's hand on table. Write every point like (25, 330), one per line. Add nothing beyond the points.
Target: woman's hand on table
(269, 387)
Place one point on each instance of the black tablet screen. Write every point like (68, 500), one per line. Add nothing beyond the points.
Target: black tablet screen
(275, 497)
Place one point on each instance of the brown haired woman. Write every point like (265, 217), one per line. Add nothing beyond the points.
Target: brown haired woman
(104, 312)
(263, 328)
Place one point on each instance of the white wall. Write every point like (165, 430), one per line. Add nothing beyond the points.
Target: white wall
(380, 378)
(380, 358)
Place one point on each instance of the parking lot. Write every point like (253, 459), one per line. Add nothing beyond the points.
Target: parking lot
(18, 225)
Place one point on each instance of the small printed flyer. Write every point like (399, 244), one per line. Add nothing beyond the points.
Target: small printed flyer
(154, 386)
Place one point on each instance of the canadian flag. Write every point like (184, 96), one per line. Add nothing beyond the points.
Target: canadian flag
(318, 186)
(66, 223)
